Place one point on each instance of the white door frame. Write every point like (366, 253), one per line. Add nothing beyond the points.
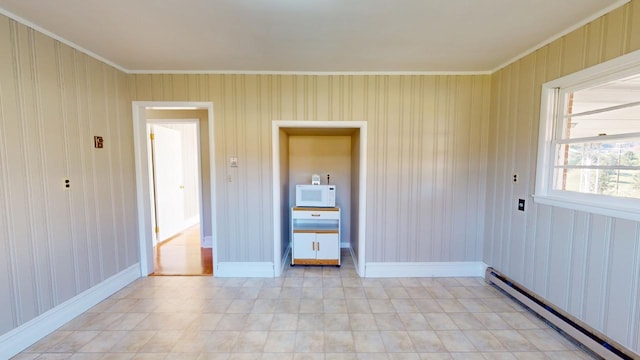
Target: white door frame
(276, 125)
(195, 122)
(145, 232)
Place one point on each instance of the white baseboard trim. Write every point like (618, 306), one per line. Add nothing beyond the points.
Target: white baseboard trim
(285, 259)
(27, 334)
(244, 269)
(355, 261)
(207, 242)
(426, 269)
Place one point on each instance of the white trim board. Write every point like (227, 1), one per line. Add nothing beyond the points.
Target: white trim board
(286, 260)
(244, 269)
(426, 269)
(30, 332)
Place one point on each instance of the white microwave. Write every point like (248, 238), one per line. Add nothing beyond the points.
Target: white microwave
(315, 195)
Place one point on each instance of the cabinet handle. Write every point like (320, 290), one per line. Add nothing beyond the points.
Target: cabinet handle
(315, 214)
(313, 246)
(318, 246)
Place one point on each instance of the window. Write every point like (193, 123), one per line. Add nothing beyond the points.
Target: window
(589, 155)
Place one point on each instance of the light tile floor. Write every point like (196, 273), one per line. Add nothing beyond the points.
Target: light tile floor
(311, 313)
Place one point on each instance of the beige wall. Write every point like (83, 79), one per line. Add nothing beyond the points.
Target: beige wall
(427, 142)
(55, 242)
(323, 155)
(586, 264)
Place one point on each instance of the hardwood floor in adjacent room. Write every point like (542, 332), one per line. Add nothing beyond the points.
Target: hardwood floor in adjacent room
(182, 255)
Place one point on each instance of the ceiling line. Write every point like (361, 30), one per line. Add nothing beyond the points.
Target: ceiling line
(557, 36)
(321, 73)
(540, 45)
(60, 39)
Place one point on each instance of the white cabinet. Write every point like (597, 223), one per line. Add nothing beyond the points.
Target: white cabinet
(316, 236)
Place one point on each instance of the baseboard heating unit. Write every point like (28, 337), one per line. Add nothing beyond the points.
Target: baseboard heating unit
(590, 338)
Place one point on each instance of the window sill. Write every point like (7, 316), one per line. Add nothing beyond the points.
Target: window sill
(588, 206)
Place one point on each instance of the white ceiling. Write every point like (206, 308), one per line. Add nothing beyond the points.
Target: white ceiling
(306, 35)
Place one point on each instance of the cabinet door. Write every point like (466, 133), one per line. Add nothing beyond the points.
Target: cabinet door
(304, 246)
(328, 246)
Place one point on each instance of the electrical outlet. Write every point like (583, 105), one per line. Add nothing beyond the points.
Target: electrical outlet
(516, 178)
(521, 204)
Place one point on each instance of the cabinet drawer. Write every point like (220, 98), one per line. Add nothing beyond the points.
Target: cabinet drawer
(315, 214)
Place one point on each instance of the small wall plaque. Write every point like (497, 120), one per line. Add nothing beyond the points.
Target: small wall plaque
(98, 142)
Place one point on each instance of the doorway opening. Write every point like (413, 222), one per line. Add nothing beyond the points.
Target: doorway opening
(174, 174)
(287, 136)
(175, 186)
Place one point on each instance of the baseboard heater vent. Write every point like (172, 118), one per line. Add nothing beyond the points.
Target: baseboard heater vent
(598, 343)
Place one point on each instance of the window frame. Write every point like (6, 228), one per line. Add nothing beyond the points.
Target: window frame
(551, 122)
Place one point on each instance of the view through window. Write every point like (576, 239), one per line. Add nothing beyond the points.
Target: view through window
(597, 141)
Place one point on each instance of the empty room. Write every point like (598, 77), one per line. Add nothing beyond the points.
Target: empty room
(322, 179)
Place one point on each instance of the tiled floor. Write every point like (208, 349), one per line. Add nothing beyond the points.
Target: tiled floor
(309, 313)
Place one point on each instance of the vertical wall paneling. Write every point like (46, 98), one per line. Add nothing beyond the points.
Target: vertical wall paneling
(95, 235)
(424, 120)
(511, 248)
(30, 282)
(615, 33)
(559, 256)
(593, 43)
(422, 157)
(80, 168)
(634, 20)
(69, 257)
(541, 250)
(414, 150)
(606, 271)
(569, 256)
(619, 291)
(489, 252)
(52, 99)
(577, 253)
(52, 163)
(634, 324)
(9, 297)
(573, 51)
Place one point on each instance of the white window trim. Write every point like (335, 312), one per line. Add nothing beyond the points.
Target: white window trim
(624, 208)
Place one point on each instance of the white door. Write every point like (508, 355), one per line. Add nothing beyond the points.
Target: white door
(167, 145)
